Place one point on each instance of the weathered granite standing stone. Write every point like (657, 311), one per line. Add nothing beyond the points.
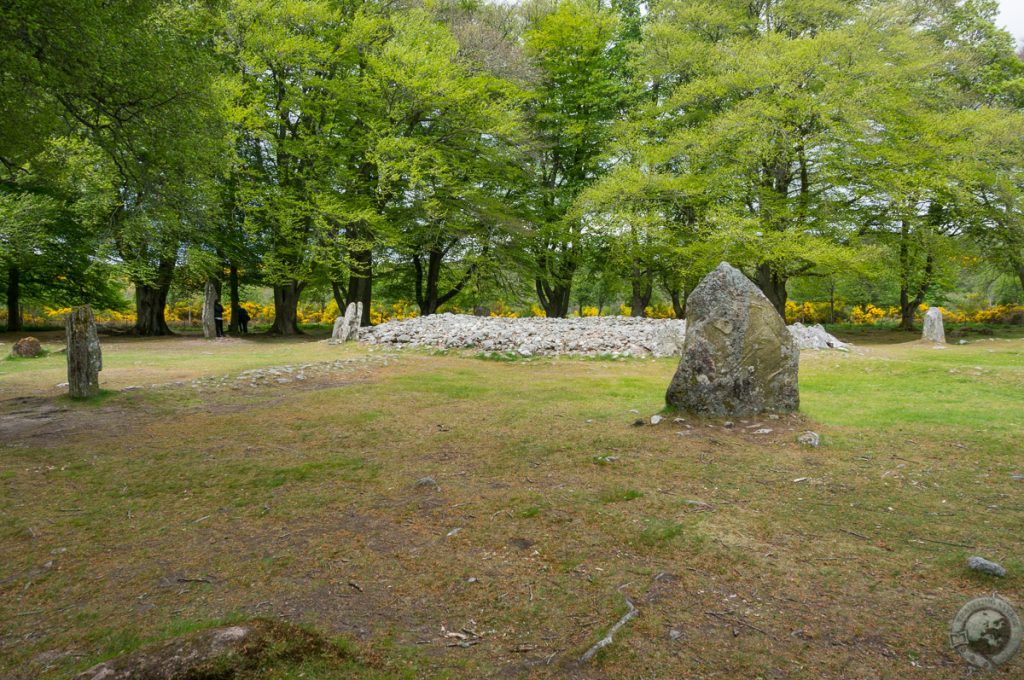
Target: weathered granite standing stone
(739, 358)
(209, 300)
(85, 360)
(347, 327)
(934, 331)
(26, 348)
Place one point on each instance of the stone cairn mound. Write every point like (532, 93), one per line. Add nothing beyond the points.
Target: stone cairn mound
(816, 337)
(589, 336)
(612, 335)
(739, 358)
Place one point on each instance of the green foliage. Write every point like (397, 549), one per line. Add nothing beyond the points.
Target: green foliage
(455, 153)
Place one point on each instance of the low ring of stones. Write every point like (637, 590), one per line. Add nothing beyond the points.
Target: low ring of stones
(986, 632)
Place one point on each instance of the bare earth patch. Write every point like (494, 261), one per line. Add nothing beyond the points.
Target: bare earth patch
(746, 554)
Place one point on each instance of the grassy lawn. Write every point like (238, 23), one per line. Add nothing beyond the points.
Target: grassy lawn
(191, 501)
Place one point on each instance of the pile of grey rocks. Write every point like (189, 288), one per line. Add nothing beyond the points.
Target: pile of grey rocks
(617, 336)
(816, 337)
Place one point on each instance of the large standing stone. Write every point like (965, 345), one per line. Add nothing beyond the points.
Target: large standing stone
(85, 360)
(209, 300)
(739, 358)
(934, 331)
(26, 348)
(347, 327)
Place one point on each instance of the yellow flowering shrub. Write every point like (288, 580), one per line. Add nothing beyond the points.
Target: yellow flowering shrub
(661, 311)
(503, 310)
(403, 309)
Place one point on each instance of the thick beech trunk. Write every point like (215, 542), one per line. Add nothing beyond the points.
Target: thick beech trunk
(554, 298)
(678, 303)
(773, 285)
(234, 327)
(151, 301)
(428, 294)
(14, 299)
(286, 307)
(339, 297)
(642, 289)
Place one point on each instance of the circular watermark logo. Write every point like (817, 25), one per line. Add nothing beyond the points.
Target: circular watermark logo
(986, 632)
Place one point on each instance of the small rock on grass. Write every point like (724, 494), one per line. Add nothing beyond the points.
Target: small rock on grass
(985, 566)
(426, 482)
(639, 422)
(656, 419)
(809, 439)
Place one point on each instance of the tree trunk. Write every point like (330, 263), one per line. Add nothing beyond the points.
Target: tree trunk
(554, 299)
(14, 299)
(910, 301)
(428, 293)
(360, 282)
(151, 301)
(339, 297)
(678, 303)
(85, 360)
(234, 327)
(286, 308)
(642, 288)
(773, 285)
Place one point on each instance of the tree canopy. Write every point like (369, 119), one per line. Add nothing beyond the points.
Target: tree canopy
(466, 153)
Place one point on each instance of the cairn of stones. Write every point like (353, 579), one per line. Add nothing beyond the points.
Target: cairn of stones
(739, 359)
(85, 360)
(346, 327)
(934, 330)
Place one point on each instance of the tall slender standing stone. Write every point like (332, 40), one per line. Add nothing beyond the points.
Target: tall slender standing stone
(209, 300)
(85, 360)
(934, 330)
(357, 316)
(739, 359)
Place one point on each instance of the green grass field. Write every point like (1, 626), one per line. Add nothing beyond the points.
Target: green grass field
(190, 501)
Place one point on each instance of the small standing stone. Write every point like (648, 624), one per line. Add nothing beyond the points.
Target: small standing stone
(985, 566)
(27, 348)
(934, 331)
(85, 360)
(809, 438)
(739, 359)
(209, 300)
(347, 327)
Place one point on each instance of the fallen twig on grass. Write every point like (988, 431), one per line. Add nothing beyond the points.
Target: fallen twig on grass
(609, 637)
(739, 621)
(931, 540)
(854, 533)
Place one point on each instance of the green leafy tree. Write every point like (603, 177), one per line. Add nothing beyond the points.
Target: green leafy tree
(576, 99)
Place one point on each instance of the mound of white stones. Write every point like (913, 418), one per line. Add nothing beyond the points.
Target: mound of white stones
(816, 337)
(527, 336)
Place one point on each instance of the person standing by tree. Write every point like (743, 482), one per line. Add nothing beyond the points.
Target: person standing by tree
(218, 318)
(243, 319)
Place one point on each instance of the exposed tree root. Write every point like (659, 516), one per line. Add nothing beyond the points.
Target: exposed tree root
(609, 637)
